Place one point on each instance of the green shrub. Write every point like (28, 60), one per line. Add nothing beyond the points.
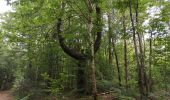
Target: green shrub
(104, 85)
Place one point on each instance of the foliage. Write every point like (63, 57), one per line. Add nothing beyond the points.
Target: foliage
(34, 64)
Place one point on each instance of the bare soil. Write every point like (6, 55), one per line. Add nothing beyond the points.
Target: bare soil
(6, 95)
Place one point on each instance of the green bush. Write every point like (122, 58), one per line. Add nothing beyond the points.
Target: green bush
(104, 85)
(6, 78)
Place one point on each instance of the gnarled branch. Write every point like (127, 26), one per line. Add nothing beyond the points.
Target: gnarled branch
(71, 51)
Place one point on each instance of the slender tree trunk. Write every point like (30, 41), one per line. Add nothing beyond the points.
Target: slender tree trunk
(110, 37)
(146, 77)
(125, 53)
(141, 54)
(126, 62)
(166, 59)
(150, 63)
(117, 64)
(140, 78)
(50, 63)
(30, 72)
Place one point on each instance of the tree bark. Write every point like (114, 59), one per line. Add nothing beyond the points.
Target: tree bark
(91, 40)
(81, 81)
(143, 75)
(125, 53)
(117, 64)
(150, 62)
(110, 37)
(140, 74)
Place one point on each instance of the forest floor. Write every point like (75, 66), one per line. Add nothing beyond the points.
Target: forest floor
(6, 95)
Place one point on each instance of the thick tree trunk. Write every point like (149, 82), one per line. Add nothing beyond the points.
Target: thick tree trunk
(81, 80)
(91, 40)
(94, 77)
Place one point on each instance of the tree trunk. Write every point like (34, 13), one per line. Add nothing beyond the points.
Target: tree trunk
(91, 40)
(94, 77)
(125, 53)
(166, 66)
(117, 64)
(150, 62)
(140, 78)
(110, 37)
(81, 80)
(94, 43)
(126, 62)
(141, 54)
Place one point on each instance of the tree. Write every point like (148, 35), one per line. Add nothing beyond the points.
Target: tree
(94, 45)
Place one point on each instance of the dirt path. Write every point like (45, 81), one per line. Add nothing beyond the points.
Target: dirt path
(5, 95)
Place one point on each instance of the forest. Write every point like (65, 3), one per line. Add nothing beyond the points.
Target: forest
(85, 50)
